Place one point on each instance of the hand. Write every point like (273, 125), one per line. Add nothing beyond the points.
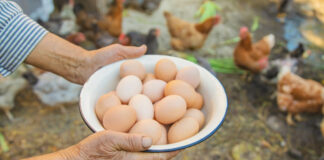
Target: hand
(101, 57)
(115, 145)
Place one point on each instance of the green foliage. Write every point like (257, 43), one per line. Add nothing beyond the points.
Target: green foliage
(207, 9)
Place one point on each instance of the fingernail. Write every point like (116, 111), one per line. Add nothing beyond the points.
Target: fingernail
(146, 142)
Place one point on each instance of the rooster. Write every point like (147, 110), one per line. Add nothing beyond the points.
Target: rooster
(297, 95)
(112, 21)
(253, 56)
(186, 35)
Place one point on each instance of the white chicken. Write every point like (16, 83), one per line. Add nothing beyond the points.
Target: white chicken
(9, 88)
(54, 90)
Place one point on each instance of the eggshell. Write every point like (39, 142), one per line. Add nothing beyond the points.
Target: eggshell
(119, 118)
(170, 109)
(164, 136)
(183, 129)
(190, 75)
(154, 89)
(198, 102)
(165, 70)
(128, 87)
(183, 89)
(143, 107)
(148, 77)
(132, 67)
(105, 102)
(148, 127)
(197, 115)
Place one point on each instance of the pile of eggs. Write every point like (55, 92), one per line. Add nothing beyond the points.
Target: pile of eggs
(164, 105)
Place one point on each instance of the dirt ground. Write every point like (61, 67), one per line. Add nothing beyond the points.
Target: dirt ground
(254, 128)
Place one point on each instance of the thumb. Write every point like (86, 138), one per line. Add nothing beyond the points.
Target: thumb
(131, 142)
(132, 51)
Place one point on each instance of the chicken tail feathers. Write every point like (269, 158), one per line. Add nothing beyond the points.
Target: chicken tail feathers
(270, 39)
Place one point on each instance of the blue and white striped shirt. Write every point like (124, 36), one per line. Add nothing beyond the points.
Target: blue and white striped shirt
(19, 35)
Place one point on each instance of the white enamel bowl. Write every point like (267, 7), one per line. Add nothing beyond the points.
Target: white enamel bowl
(106, 79)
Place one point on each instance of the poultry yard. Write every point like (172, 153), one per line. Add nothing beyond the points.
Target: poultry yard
(254, 128)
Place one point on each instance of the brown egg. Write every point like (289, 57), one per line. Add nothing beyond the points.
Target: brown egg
(148, 77)
(119, 118)
(183, 89)
(154, 89)
(198, 102)
(105, 102)
(190, 75)
(148, 127)
(164, 136)
(165, 70)
(128, 87)
(183, 129)
(132, 67)
(197, 115)
(170, 109)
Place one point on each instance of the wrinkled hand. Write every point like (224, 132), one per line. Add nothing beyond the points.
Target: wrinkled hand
(115, 145)
(98, 58)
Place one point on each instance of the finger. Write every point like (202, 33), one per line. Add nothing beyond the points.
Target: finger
(130, 142)
(132, 51)
(151, 156)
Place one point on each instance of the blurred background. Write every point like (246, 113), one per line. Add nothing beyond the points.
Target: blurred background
(40, 110)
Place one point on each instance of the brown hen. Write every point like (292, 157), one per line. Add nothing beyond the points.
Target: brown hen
(253, 57)
(297, 95)
(186, 35)
(112, 21)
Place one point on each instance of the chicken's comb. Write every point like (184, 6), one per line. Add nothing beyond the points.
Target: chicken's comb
(121, 36)
(244, 29)
(217, 19)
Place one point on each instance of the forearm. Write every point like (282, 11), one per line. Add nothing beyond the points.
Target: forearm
(58, 56)
(70, 153)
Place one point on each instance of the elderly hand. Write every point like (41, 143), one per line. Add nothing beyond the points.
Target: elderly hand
(116, 145)
(107, 55)
(110, 145)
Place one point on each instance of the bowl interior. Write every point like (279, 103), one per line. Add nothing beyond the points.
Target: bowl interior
(106, 79)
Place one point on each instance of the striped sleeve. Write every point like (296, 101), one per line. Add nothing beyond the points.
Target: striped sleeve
(19, 35)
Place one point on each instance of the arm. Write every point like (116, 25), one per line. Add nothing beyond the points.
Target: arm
(73, 62)
(109, 145)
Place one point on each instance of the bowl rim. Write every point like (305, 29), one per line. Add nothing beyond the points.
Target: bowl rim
(175, 148)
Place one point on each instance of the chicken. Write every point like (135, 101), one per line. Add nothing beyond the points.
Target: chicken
(68, 19)
(287, 59)
(10, 87)
(8, 91)
(282, 9)
(186, 35)
(76, 38)
(54, 90)
(297, 95)
(84, 20)
(135, 38)
(112, 21)
(147, 6)
(80, 39)
(322, 126)
(102, 38)
(253, 57)
(89, 26)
